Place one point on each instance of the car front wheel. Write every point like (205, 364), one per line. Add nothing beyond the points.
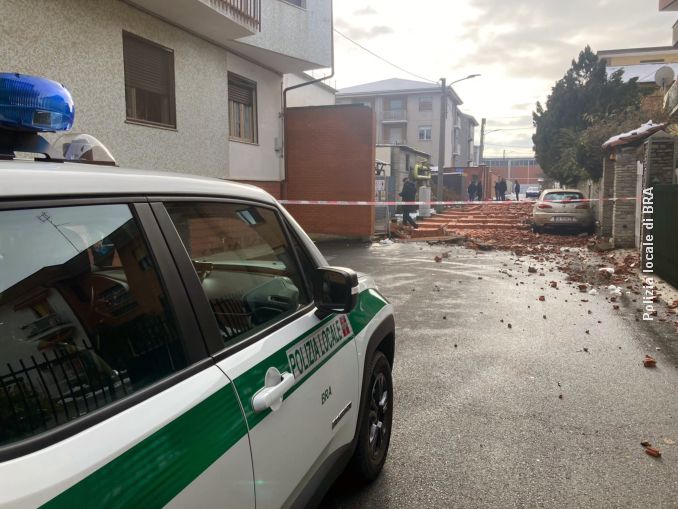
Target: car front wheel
(375, 427)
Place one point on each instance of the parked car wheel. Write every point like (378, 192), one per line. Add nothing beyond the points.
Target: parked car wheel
(536, 229)
(375, 427)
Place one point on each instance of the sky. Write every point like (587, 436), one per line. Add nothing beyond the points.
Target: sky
(520, 48)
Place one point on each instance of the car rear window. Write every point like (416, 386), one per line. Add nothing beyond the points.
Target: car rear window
(562, 196)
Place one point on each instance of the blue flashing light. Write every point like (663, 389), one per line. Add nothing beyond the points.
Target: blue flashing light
(34, 104)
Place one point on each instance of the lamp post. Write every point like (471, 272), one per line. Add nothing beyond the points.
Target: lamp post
(441, 140)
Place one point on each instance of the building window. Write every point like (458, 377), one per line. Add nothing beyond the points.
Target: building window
(257, 282)
(242, 109)
(425, 133)
(86, 322)
(149, 81)
(298, 3)
(426, 103)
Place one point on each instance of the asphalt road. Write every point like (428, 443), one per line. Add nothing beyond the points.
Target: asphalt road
(478, 421)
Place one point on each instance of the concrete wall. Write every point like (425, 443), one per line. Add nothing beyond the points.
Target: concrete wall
(79, 43)
(331, 154)
(310, 95)
(260, 160)
(302, 33)
(606, 192)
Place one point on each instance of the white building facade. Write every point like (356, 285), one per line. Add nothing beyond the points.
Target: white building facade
(193, 86)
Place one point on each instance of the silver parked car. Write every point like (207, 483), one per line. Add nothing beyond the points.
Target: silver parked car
(562, 209)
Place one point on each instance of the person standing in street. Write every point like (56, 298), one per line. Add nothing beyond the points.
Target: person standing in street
(502, 189)
(409, 193)
(516, 188)
(496, 190)
(472, 189)
(479, 191)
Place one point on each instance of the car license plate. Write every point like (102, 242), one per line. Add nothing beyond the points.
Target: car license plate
(563, 219)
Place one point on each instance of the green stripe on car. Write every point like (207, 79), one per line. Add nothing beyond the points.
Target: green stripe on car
(157, 469)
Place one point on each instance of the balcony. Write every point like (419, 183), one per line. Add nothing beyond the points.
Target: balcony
(394, 116)
(219, 20)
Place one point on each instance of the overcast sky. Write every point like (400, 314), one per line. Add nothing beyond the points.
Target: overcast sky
(521, 47)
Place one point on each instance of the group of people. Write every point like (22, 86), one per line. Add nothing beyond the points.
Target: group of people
(500, 188)
(475, 190)
(475, 193)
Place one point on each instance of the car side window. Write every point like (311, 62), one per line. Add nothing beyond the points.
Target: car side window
(245, 264)
(84, 318)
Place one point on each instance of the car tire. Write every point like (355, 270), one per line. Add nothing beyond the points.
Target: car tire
(536, 229)
(374, 434)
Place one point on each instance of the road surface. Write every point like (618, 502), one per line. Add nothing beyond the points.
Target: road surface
(538, 413)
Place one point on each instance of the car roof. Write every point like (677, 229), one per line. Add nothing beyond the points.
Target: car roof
(562, 191)
(32, 179)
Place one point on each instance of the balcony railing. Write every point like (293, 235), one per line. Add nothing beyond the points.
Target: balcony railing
(394, 116)
(247, 12)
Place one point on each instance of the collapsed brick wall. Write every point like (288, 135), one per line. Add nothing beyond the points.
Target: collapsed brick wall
(330, 154)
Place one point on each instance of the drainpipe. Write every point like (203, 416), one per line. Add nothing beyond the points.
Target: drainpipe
(293, 87)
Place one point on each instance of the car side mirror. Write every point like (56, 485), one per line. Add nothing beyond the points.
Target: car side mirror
(335, 290)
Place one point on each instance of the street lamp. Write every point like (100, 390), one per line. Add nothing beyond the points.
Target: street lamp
(441, 141)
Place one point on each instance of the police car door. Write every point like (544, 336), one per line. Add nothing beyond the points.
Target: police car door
(108, 397)
(296, 374)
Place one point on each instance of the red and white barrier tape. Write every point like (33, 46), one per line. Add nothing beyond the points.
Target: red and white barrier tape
(431, 203)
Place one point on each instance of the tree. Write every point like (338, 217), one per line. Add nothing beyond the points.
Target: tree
(585, 96)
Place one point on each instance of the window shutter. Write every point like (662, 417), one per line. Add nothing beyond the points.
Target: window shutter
(239, 93)
(147, 67)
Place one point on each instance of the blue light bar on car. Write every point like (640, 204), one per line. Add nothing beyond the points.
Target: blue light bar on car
(34, 104)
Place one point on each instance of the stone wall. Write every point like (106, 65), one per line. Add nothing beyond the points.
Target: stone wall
(605, 193)
(660, 159)
(624, 209)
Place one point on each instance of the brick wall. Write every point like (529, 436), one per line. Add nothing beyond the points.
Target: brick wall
(624, 211)
(659, 159)
(606, 192)
(330, 154)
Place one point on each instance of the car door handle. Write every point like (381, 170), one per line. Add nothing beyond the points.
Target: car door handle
(271, 396)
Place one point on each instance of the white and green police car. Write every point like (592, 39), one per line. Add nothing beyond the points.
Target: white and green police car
(169, 340)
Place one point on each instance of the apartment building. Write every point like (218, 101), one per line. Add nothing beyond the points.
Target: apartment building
(408, 113)
(192, 86)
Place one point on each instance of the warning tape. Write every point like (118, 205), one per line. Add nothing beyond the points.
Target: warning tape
(390, 203)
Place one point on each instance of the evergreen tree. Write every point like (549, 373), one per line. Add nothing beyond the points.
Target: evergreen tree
(586, 95)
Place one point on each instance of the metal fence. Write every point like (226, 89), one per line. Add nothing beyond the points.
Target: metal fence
(665, 238)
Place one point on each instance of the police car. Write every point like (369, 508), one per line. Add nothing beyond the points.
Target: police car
(169, 340)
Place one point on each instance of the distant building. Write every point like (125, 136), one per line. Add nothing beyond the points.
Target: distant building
(524, 169)
(640, 63)
(408, 113)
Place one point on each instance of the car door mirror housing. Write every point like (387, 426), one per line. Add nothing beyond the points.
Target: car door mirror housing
(335, 289)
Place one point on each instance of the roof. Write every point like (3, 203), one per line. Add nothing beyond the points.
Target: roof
(644, 131)
(29, 179)
(644, 72)
(616, 52)
(394, 86)
(470, 118)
